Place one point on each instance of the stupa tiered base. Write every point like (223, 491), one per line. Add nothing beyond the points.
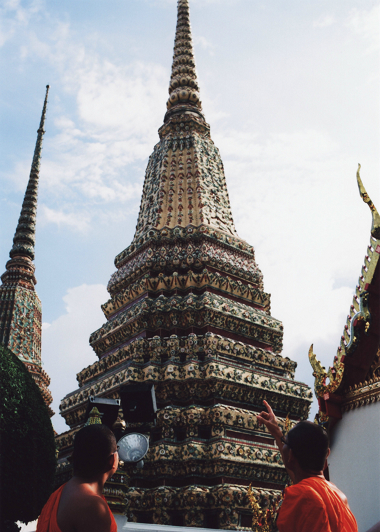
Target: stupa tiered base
(188, 313)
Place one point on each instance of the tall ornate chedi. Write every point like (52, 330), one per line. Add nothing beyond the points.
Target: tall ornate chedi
(188, 313)
(20, 306)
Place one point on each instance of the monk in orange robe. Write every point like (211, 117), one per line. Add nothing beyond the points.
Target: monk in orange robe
(311, 504)
(78, 505)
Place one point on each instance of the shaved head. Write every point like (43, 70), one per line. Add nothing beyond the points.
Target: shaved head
(309, 443)
(93, 445)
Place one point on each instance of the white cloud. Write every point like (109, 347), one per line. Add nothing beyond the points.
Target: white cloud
(5, 33)
(65, 347)
(118, 111)
(204, 43)
(324, 22)
(278, 149)
(366, 23)
(130, 99)
(14, 16)
(19, 175)
(78, 221)
(113, 101)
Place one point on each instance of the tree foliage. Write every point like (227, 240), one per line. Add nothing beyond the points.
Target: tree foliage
(27, 448)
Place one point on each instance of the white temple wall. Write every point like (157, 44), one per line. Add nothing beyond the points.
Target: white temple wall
(354, 462)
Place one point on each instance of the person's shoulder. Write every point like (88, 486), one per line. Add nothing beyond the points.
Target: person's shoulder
(302, 490)
(323, 486)
(83, 511)
(339, 493)
(92, 514)
(93, 501)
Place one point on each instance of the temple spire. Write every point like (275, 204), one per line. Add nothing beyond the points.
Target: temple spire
(183, 88)
(20, 306)
(184, 182)
(24, 239)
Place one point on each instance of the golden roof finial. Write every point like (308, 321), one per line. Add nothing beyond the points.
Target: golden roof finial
(334, 374)
(94, 418)
(375, 229)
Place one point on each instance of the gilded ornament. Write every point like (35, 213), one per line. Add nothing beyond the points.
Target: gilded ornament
(375, 229)
(262, 519)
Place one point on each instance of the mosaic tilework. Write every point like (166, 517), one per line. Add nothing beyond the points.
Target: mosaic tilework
(188, 313)
(20, 307)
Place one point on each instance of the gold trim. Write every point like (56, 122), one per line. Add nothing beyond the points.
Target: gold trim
(375, 229)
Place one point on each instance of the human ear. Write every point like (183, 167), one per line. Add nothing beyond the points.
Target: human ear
(115, 461)
(111, 462)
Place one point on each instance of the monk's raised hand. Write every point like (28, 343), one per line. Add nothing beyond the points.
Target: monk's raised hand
(266, 417)
(269, 420)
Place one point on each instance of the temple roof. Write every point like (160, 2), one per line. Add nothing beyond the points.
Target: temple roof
(375, 228)
(357, 358)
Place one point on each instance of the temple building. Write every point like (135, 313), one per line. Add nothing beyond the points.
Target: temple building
(20, 306)
(188, 313)
(349, 392)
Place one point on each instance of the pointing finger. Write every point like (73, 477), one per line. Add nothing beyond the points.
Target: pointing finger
(268, 407)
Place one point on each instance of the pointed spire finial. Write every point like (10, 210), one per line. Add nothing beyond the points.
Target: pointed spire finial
(375, 229)
(183, 88)
(24, 239)
(94, 418)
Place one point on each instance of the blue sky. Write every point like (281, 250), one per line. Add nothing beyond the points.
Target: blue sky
(290, 90)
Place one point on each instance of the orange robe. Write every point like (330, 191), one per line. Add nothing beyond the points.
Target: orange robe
(47, 522)
(313, 505)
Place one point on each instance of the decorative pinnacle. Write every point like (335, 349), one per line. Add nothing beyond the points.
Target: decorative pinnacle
(24, 239)
(375, 229)
(183, 88)
(94, 418)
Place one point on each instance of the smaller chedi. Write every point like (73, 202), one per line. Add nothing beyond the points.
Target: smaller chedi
(349, 392)
(188, 313)
(20, 306)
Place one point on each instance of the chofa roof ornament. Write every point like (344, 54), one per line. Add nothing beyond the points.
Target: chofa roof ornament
(375, 229)
(357, 341)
